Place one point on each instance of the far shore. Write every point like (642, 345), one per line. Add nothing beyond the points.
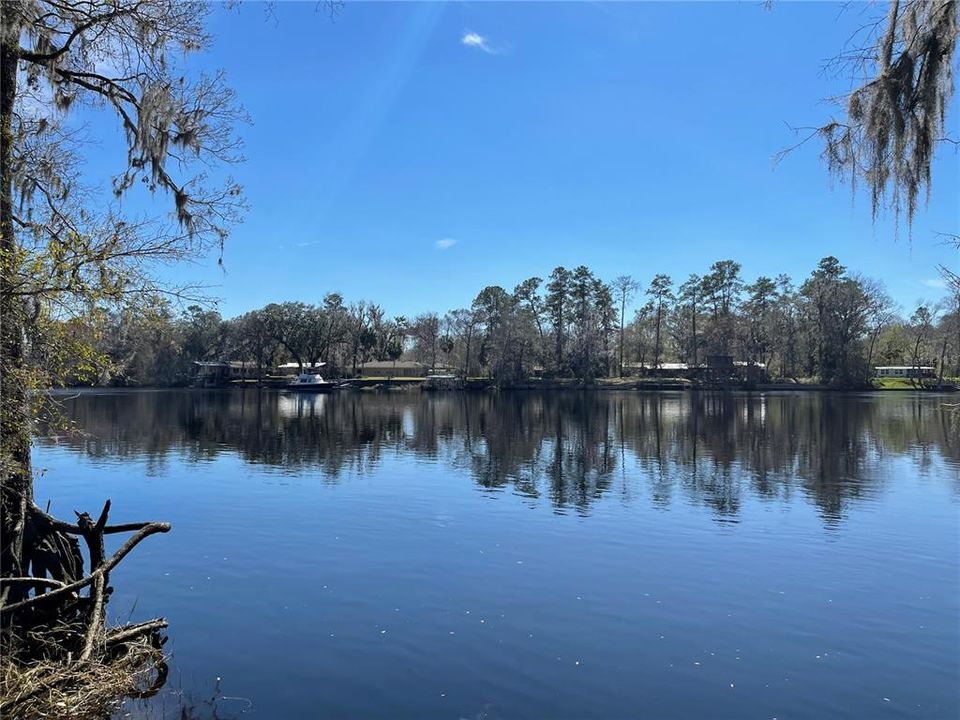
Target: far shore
(558, 384)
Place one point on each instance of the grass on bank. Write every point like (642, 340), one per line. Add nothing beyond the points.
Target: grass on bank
(89, 690)
(893, 383)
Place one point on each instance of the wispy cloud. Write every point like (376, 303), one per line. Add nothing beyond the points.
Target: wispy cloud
(445, 244)
(937, 283)
(478, 41)
(308, 243)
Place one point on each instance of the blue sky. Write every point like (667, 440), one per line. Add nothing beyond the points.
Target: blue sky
(411, 153)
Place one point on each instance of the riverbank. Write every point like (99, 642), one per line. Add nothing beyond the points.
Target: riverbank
(693, 386)
(476, 384)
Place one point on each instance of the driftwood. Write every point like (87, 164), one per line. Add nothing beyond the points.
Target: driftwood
(120, 635)
(33, 582)
(56, 625)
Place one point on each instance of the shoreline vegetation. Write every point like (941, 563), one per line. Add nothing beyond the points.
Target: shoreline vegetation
(833, 329)
(482, 384)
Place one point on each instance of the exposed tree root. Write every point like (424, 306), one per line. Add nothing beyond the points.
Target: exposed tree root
(59, 658)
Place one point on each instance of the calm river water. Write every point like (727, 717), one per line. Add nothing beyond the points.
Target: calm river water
(488, 556)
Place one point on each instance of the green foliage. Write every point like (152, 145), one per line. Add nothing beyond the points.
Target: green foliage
(836, 307)
(835, 327)
(888, 383)
(661, 295)
(556, 305)
(72, 261)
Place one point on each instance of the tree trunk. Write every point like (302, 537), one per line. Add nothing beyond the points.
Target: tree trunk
(559, 340)
(943, 355)
(957, 370)
(874, 336)
(656, 346)
(623, 310)
(27, 539)
(694, 335)
(917, 381)
(16, 494)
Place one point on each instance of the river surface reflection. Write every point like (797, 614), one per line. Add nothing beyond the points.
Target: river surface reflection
(519, 555)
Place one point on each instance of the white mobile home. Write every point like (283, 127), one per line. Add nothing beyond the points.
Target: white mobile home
(904, 371)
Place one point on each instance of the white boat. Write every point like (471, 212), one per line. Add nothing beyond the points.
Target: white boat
(310, 382)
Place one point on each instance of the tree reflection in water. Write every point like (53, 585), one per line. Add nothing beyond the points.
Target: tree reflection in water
(572, 448)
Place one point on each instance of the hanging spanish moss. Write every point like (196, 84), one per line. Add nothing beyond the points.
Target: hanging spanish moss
(896, 119)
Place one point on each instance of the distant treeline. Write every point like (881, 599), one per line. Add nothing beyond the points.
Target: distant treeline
(834, 326)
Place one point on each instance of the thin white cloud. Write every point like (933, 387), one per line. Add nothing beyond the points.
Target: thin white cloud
(445, 244)
(477, 41)
(934, 283)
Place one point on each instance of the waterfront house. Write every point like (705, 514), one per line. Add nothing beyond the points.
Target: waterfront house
(213, 373)
(209, 373)
(904, 371)
(751, 371)
(664, 369)
(389, 368)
